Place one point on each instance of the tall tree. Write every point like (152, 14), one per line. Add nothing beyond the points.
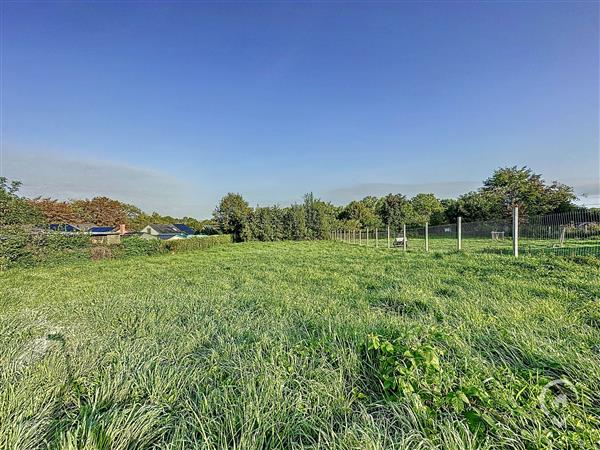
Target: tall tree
(425, 207)
(294, 223)
(56, 211)
(104, 211)
(395, 210)
(320, 217)
(513, 186)
(232, 216)
(361, 213)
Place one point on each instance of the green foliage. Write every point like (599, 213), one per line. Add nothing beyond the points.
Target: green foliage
(267, 224)
(232, 216)
(513, 186)
(135, 246)
(15, 210)
(294, 223)
(197, 243)
(320, 217)
(395, 210)
(362, 214)
(26, 247)
(408, 366)
(425, 208)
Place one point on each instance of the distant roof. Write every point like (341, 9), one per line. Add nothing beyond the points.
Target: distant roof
(101, 229)
(186, 230)
(162, 228)
(62, 227)
(84, 226)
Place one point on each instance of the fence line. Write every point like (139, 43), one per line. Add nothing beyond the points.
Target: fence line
(571, 233)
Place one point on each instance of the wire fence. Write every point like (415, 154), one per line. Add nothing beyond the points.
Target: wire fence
(571, 234)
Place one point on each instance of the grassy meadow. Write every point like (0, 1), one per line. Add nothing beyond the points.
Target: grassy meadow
(301, 345)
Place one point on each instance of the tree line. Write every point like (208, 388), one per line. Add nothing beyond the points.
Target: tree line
(101, 211)
(313, 218)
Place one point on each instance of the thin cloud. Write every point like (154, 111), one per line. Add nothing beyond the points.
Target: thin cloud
(56, 176)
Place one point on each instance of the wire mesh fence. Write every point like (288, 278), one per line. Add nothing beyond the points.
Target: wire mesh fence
(572, 233)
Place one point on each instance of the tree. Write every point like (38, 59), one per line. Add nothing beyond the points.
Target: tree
(294, 223)
(478, 206)
(320, 217)
(395, 210)
(266, 224)
(511, 186)
(56, 211)
(362, 213)
(16, 210)
(425, 206)
(104, 211)
(231, 215)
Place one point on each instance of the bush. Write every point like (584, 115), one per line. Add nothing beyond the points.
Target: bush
(22, 246)
(135, 246)
(16, 246)
(197, 243)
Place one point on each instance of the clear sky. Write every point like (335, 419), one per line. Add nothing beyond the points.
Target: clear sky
(171, 105)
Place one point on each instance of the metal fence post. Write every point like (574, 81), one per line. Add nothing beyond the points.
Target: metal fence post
(404, 236)
(427, 236)
(515, 230)
(376, 238)
(459, 230)
(388, 230)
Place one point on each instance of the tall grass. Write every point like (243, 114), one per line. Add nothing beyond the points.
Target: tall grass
(262, 345)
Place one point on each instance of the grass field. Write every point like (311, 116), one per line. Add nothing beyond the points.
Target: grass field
(301, 345)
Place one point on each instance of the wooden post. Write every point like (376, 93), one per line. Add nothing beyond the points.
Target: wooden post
(376, 238)
(459, 231)
(427, 236)
(359, 237)
(388, 229)
(404, 236)
(367, 244)
(515, 230)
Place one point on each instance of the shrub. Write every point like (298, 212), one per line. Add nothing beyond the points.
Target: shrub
(135, 246)
(23, 246)
(17, 246)
(198, 243)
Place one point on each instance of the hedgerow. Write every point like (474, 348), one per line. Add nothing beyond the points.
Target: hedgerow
(23, 247)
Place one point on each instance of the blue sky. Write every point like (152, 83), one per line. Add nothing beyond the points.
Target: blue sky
(171, 105)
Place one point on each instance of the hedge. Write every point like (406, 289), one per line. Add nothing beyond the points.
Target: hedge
(197, 243)
(20, 247)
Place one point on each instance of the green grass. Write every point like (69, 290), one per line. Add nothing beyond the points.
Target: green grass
(299, 345)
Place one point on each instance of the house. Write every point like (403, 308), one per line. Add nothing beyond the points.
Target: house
(106, 235)
(166, 231)
(71, 227)
(99, 235)
(63, 227)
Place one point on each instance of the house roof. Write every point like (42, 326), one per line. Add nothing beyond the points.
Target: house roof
(62, 227)
(101, 230)
(84, 226)
(185, 229)
(162, 228)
